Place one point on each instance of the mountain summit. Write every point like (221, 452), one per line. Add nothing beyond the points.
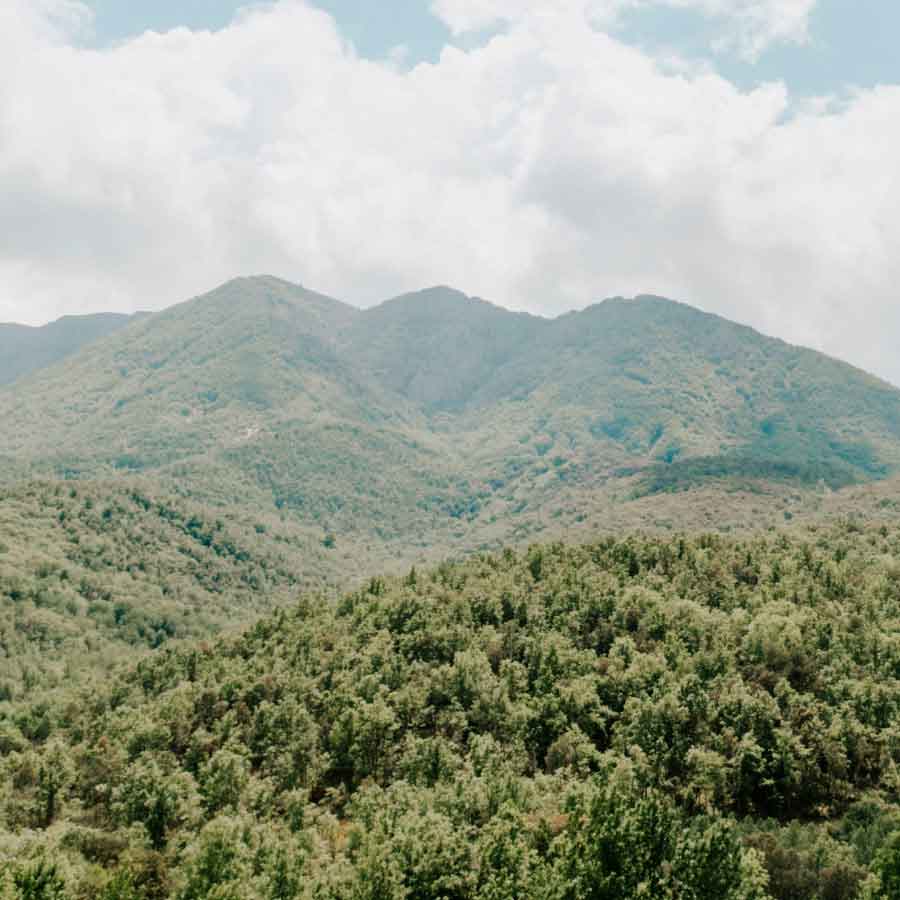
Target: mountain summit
(437, 347)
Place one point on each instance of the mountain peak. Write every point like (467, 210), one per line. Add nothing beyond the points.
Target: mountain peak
(432, 303)
(430, 299)
(438, 345)
(261, 280)
(440, 291)
(248, 297)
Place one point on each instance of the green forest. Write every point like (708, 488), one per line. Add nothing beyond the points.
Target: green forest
(436, 423)
(92, 575)
(649, 716)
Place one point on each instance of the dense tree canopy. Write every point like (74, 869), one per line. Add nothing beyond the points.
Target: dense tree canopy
(92, 574)
(687, 717)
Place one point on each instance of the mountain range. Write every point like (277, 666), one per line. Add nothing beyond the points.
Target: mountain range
(440, 420)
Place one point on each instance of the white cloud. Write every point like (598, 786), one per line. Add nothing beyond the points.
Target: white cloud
(547, 169)
(748, 26)
(463, 16)
(754, 25)
(52, 20)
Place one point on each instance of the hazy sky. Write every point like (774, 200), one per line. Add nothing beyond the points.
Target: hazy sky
(743, 155)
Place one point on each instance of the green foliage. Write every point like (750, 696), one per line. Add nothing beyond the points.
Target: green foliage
(92, 574)
(214, 865)
(122, 886)
(148, 797)
(620, 843)
(41, 881)
(887, 865)
(687, 717)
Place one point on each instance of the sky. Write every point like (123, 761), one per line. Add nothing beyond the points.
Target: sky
(740, 155)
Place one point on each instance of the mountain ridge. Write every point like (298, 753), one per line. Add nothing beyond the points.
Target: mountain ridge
(463, 298)
(440, 419)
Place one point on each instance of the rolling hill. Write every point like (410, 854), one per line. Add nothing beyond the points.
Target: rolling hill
(672, 715)
(436, 421)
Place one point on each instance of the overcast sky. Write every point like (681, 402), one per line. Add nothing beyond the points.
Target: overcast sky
(742, 155)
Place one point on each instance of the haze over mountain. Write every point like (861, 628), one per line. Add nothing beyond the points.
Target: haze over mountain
(25, 349)
(436, 418)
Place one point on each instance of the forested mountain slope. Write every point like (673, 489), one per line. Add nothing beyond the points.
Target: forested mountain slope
(688, 717)
(660, 386)
(24, 350)
(92, 574)
(437, 420)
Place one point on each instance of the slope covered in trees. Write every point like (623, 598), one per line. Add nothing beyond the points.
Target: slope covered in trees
(682, 717)
(91, 574)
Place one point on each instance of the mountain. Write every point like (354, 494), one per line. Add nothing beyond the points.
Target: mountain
(437, 347)
(438, 422)
(690, 714)
(651, 382)
(24, 349)
(681, 717)
(245, 381)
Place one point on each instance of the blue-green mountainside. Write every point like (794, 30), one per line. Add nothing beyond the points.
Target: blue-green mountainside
(24, 350)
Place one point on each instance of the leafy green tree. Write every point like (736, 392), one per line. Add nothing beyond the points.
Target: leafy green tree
(887, 867)
(623, 842)
(150, 796)
(222, 781)
(41, 881)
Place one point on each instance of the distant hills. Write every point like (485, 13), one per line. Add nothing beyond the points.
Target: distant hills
(24, 349)
(440, 420)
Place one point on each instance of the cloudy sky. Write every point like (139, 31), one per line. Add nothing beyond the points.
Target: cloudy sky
(742, 155)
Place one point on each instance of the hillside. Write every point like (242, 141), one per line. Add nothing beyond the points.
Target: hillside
(688, 717)
(24, 350)
(436, 422)
(92, 574)
(665, 715)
